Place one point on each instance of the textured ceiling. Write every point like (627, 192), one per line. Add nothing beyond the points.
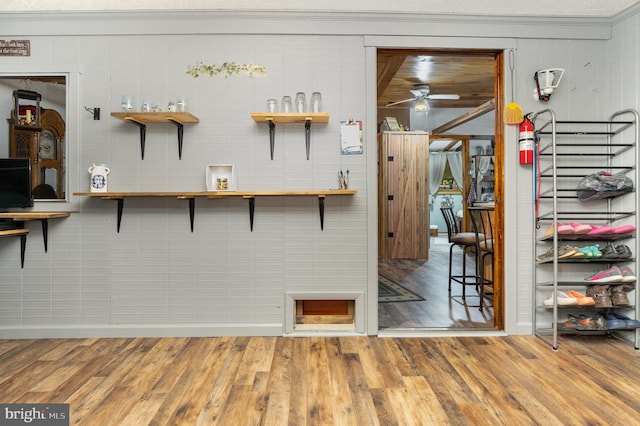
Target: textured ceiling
(557, 8)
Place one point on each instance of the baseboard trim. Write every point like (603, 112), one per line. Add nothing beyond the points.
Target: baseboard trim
(130, 331)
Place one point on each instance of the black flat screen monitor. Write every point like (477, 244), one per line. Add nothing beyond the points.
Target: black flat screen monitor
(15, 183)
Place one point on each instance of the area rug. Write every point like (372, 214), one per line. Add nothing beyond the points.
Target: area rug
(391, 291)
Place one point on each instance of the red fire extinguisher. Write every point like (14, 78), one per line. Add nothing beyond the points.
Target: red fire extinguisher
(527, 141)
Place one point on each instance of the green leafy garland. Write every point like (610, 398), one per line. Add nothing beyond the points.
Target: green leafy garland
(226, 70)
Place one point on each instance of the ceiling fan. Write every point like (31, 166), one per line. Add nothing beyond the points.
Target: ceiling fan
(422, 93)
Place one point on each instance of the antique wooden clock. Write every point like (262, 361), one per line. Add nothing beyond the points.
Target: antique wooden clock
(44, 146)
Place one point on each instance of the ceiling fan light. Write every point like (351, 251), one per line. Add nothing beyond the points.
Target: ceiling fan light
(421, 105)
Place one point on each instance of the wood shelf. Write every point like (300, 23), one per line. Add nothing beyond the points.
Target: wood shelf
(191, 196)
(271, 118)
(141, 119)
(290, 117)
(22, 233)
(43, 217)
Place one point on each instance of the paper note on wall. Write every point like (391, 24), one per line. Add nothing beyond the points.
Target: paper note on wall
(351, 137)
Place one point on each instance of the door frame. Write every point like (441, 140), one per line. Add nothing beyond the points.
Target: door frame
(372, 44)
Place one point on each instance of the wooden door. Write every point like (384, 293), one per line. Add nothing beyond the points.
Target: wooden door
(403, 226)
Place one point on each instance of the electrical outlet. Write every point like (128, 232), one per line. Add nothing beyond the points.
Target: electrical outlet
(96, 113)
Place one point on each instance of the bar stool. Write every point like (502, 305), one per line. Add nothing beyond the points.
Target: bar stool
(464, 240)
(481, 222)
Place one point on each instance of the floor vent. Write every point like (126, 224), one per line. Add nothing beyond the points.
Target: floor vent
(339, 312)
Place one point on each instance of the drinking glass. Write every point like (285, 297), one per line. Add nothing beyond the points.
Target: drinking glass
(181, 104)
(127, 103)
(301, 102)
(316, 102)
(287, 104)
(272, 105)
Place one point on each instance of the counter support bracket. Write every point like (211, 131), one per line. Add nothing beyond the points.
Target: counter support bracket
(45, 232)
(23, 246)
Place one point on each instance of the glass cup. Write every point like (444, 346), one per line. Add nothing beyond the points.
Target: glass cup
(287, 104)
(181, 104)
(272, 105)
(171, 107)
(316, 102)
(301, 102)
(127, 103)
(145, 106)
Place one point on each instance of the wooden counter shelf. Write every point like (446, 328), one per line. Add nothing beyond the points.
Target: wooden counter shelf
(191, 196)
(141, 119)
(43, 217)
(22, 233)
(271, 118)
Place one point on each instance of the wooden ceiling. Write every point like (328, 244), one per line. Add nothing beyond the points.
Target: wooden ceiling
(469, 74)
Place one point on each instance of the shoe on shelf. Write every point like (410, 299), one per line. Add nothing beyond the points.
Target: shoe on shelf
(619, 295)
(612, 322)
(565, 229)
(579, 228)
(590, 252)
(590, 323)
(601, 296)
(611, 275)
(609, 252)
(601, 230)
(624, 229)
(623, 251)
(562, 230)
(571, 323)
(562, 298)
(583, 300)
(629, 322)
(578, 253)
(563, 252)
(627, 275)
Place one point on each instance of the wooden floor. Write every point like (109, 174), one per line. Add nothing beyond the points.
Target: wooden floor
(429, 279)
(515, 380)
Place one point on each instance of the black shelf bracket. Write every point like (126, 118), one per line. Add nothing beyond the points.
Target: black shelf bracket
(23, 246)
(192, 211)
(307, 135)
(120, 208)
(143, 134)
(321, 210)
(252, 211)
(180, 127)
(272, 136)
(45, 232)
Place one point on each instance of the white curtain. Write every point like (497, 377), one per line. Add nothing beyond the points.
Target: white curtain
(455, 164)
(437, 163)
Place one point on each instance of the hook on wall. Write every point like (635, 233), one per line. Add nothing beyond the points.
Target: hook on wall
(94, 111)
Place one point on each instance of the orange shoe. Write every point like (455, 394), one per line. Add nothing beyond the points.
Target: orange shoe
(583, 300)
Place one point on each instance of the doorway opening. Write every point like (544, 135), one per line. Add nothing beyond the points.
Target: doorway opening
(463, 90)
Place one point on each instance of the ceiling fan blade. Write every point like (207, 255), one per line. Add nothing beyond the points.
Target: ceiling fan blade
(451, 97)
(417, 93)
(399, 102)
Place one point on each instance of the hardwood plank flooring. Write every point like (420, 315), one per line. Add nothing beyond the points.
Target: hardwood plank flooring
(360, 380)
(429, 279)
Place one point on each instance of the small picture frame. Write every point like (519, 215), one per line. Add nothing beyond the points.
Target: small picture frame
(221, 177)
(392, 124)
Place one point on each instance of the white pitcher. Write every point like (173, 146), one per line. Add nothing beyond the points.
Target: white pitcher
(99, 177)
